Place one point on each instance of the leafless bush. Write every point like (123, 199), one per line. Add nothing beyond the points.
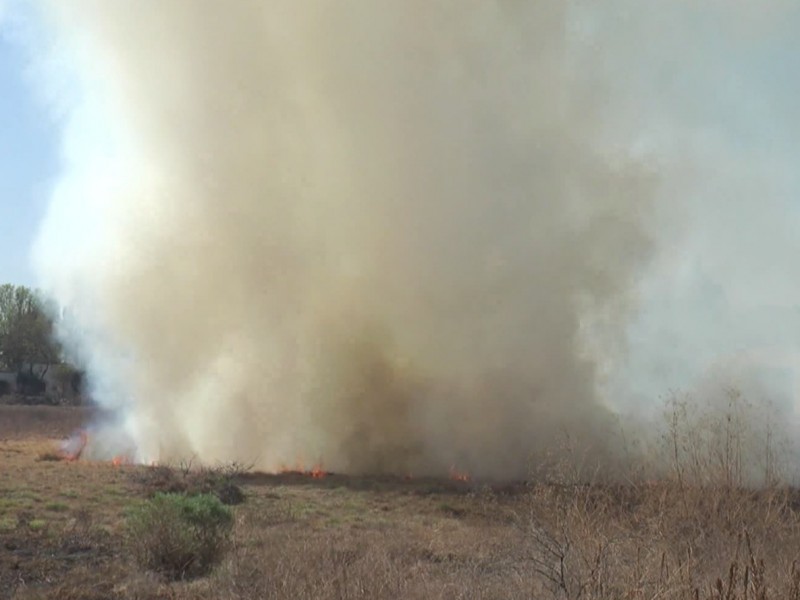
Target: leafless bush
(729, 442)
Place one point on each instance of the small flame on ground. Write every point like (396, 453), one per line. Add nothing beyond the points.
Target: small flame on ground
(315, 472)
(72, 448)
(457, 475)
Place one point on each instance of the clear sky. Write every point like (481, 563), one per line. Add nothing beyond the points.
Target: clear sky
(28, 159)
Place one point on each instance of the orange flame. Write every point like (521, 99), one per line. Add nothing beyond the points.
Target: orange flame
(457, 475)
(316, 472)
(72, 449)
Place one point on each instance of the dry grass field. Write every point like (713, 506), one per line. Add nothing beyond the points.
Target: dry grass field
(63, 533)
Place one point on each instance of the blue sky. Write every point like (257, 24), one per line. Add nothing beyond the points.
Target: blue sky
(28, 160)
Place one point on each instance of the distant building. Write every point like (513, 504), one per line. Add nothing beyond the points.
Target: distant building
(52, 381)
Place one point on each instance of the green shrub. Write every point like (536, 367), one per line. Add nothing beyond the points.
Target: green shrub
(180, 536)
(37, 524)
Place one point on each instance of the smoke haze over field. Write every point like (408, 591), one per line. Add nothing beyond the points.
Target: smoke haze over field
(389, 236)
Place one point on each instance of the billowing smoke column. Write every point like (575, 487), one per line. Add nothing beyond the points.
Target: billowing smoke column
(363, 233)
(388, 236)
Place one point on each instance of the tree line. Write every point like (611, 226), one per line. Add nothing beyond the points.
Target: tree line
(28, 346)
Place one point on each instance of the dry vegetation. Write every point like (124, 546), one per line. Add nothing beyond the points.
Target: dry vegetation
(699, 531)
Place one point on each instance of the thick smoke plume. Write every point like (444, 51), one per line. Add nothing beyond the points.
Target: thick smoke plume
(371, 234)
(388, 236)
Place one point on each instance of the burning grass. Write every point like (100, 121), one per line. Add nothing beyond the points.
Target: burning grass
(315, 472)
(689, 534)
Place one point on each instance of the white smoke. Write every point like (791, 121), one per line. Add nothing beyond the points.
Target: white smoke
(401, 236)
(705, 95)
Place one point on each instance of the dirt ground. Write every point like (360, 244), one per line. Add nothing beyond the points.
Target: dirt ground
(63, 536)
(19, 421)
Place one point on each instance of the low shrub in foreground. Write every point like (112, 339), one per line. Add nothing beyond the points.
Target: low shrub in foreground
(180, 536)
(186, 479)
